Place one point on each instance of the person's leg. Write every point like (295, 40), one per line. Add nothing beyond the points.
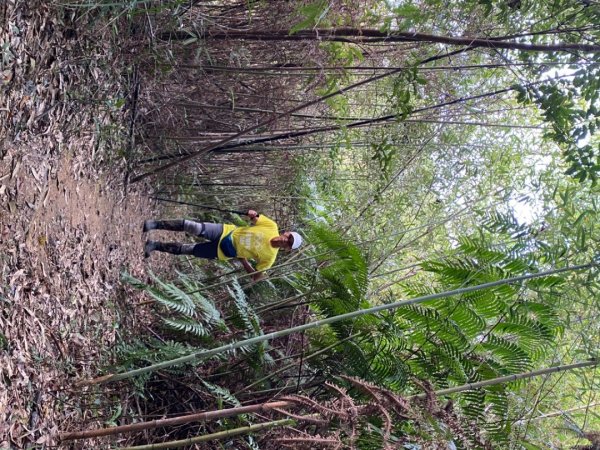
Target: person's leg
(175, 248)
(207, 250)
(170, 225)
(207, 230)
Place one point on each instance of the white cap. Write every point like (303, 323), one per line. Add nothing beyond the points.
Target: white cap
(297, 240)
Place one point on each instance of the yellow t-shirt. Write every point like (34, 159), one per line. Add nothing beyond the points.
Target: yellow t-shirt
(253, 242)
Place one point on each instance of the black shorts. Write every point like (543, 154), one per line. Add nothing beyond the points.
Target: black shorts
(207, 250)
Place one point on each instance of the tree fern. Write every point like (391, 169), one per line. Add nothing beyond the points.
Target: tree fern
(471, 323)
(343, 274)
(423, 322)
(509, 355)
(343, 266)
(385, 367)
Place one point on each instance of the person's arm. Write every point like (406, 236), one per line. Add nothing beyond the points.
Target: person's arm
(257, 276)
(253, 216)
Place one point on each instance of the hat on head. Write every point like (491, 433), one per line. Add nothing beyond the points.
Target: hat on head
(297, 240)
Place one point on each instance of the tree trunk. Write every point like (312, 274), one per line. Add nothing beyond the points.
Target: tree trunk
(371, 35)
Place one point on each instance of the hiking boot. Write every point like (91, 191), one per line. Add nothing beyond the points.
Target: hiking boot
(170, 225)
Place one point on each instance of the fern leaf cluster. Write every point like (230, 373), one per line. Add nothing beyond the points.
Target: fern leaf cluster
(245, 318)
(457, 340)
(186, 310)
(484, 334)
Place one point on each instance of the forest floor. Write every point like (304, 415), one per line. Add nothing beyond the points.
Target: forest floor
(68, 225)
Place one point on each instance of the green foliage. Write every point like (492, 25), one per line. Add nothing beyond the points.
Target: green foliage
(404, 90)
(244, 318)
(312, 15)
(223, 395)
(373, 353)
(344, 265)
(342, 54)
(384, 153)
(571, 108)
(344, 276)
(193, 313)
(485, 334)
(339, 54)
(140, 353)
(404, 17)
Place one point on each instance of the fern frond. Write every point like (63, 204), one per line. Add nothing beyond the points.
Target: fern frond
(345, 264)
(474, 404)
(427, 321)
(244, 316)
(223, 394)
(126, 277)
(470, 322)
(204, 307)
(173, 297)
(511, 358)
(187, 326)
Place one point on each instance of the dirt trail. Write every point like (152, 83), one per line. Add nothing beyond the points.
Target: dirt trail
(65, 240)
(67, 227)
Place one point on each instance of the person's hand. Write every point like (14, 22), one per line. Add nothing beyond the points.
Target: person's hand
(252, 214)
(258, 276)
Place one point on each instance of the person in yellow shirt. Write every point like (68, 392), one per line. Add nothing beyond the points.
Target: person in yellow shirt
(260, 242)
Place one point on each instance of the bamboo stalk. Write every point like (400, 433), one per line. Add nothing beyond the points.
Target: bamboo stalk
(226, 144)
(204, 354)
(312, 69)
(509, 378)
(366, 36)
(197, 105)
(558, 413)
(213, 436)
(196, 417)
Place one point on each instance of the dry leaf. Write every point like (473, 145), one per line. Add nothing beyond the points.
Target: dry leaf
(15, 169)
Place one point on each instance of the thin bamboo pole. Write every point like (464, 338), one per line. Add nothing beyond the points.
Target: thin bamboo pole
(377, 121)
(204, 354)
(197, 417)
(279, 70)
(509, 378)
(365, 36)
(557, 413)
(213, 436)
